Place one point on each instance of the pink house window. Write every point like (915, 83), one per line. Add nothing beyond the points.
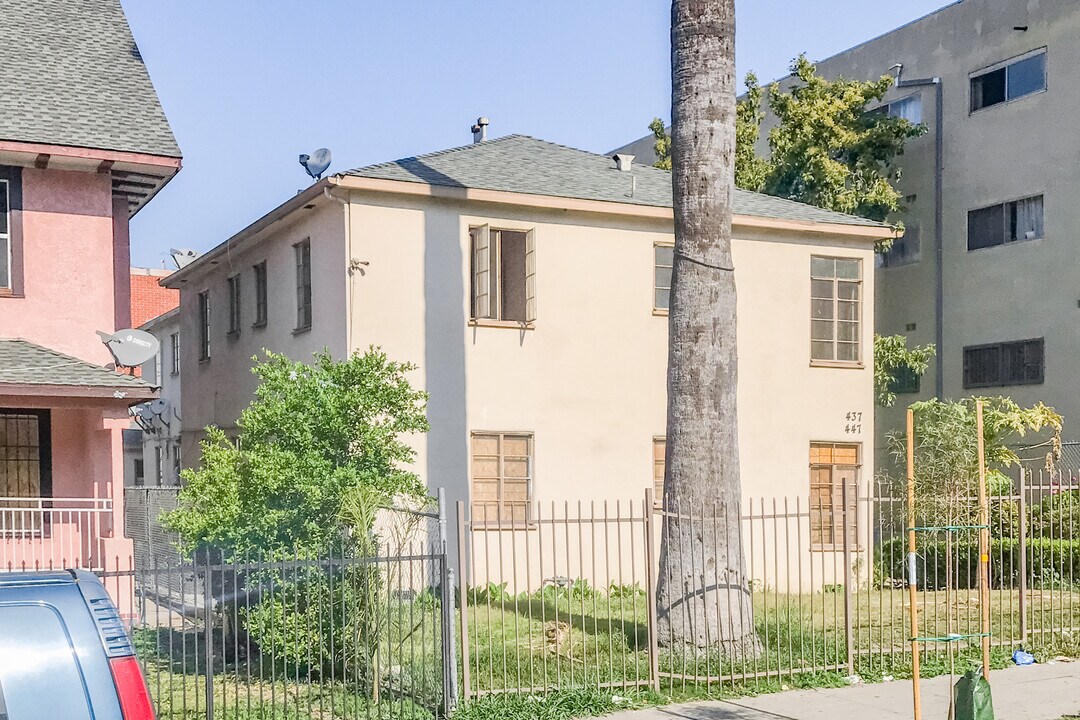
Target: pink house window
(25, 457)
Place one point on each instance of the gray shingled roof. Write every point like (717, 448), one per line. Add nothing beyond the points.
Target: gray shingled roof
(73, 76)
(24, 363)
(523, 164)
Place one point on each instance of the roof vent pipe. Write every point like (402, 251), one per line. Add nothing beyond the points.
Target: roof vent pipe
(479, 130)
(623, 161)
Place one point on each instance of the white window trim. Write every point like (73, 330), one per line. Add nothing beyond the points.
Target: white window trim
(660, 312)
(859, 364)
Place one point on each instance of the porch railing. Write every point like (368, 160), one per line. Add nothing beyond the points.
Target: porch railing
(42, 533)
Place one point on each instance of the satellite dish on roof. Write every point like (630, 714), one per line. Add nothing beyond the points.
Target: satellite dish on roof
(316, 163)
(130, 348)
(183, 256)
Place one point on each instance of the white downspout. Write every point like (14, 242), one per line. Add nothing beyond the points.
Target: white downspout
(347, 205)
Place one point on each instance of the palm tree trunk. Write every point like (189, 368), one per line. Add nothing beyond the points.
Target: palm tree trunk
(703, 598)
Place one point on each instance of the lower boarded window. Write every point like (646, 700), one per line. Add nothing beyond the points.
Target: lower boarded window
(1009, 363)
(659, 450)
(834, 486)
(502, 478)
(25, 468)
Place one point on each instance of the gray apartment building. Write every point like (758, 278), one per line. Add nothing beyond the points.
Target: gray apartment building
(988, 267)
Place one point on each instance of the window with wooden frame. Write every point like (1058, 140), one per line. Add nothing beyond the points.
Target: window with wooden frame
(502, 478)
(503, 264)
(204, 325)
(834, 488)
(259, 272)
(234, 305)
(835, 310)
(659, 450)
(663, 260)
(303, 285)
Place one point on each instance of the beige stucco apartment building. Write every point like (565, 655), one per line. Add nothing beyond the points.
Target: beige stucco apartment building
(529, 283)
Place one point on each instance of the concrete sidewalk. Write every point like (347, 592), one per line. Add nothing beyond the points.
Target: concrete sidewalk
(1036, 692)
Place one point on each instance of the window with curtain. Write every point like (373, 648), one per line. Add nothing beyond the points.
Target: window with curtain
(1005, 223)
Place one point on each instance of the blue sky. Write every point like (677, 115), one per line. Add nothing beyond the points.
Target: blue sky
(249, 85)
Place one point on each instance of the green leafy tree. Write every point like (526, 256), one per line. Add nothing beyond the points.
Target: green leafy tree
(947, 457)
(315, 439)
(825, 149)
(892, 359)
(828, 151)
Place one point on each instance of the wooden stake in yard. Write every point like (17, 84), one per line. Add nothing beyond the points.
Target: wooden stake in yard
(912, 591)
(984, 546)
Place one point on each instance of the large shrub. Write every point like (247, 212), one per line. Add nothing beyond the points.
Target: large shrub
(1049, 562)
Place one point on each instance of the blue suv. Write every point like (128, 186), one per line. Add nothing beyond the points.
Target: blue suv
(64, 652)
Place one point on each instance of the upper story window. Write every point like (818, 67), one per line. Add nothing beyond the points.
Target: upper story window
(904, 250)
(1005, 223)
(174, 352)
(835, 309)
(5, 236)
(234, 305)
(303, 284)
(503, 274)
(1009, 80)
(1020, 362)
(663, 259)
(204, 325)
(909, 108)
(259, 272)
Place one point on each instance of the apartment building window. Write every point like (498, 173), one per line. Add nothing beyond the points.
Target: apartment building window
(140, 473)
(1005, 223)
(503, 274)
(834, 487)
(204, 325)
(502, 478)
(659, 450)
(233, 283)
(174, 353)
(1008, 363)
(663, 259)
(836, 309)
(909, 108)
(177, 465)
(1009, 80)
(259, 272)
(5, 237)
(905, 381)
(25, 453)
(303, 285)
(904, 250)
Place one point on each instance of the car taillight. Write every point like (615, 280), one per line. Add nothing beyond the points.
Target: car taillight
(131, 688)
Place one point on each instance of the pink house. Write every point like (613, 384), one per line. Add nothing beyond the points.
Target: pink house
(84, 145)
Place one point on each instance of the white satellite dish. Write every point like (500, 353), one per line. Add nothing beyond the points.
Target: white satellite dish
(316, 163)
(159, 406)
(130, 348)
(183, 256)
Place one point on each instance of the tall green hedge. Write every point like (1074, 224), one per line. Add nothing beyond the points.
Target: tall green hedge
(1049, 562)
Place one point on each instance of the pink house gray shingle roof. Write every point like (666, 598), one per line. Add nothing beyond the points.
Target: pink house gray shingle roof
(25, 363)
(74, 76)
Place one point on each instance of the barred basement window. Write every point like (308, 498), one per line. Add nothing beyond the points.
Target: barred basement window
(1009, 363)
